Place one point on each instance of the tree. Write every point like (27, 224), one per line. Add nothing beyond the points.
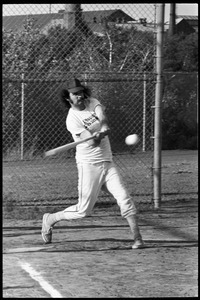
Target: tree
(127, 49)
(181, 53)
(18, 49)
(62, 52)
(179, 116)
(188, 53)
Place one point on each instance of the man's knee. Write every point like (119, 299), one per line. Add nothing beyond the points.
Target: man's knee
(128, 208)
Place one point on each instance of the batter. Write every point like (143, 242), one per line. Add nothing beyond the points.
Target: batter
(96, 169)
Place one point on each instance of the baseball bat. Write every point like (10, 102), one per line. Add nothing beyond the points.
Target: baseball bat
(67, 146)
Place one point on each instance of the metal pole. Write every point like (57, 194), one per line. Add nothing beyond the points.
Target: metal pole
(144, 111)
(158, 100)
(197, 99)
(22, 118)
(197, 105)
(172, 19)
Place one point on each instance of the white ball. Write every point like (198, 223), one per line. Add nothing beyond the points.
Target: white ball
(132, 139)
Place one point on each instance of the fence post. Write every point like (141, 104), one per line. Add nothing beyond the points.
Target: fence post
(22, 117)
(197, 100)
(144, 110)
(158, 99)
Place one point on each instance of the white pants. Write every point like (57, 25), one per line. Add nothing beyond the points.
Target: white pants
(92, 177)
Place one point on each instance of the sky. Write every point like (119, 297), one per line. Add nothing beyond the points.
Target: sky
(135, 10)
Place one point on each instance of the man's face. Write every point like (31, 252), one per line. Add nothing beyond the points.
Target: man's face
(77, 99)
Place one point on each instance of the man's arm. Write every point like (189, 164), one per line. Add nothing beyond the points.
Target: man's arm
(103, 131)
(103, 119)
(85, 134)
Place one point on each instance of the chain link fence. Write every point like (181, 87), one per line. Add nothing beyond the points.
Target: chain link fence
(111, 49)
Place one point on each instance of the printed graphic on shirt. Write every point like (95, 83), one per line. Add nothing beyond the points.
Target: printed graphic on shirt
(87, 119)
(90, 121)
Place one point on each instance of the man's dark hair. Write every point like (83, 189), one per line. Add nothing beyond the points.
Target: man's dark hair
(64, 96)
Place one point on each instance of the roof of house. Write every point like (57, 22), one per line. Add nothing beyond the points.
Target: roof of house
(191, 20)
(93, 18)
(16, 22)
(111, 15)
(188, 17)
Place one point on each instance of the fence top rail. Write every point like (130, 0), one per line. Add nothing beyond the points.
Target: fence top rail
(92, 77)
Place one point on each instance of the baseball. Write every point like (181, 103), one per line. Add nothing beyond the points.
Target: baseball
(132, 139)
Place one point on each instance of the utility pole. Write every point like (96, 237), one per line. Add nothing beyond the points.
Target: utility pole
(69, 16)
(72, 15)
(78, 12)
(158, 103)
(172, 19)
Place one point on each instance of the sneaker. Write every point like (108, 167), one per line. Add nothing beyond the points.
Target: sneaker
(138, 244)
(46, 230)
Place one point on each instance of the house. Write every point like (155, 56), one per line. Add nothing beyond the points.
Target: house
(187, 24)
(94, 19)
(111, 16)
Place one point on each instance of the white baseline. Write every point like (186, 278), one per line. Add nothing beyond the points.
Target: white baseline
(44, 284)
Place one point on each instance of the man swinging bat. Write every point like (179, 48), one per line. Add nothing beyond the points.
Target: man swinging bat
(96, 170)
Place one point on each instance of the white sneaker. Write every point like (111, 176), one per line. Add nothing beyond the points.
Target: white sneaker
(138, 244)
(46, 230)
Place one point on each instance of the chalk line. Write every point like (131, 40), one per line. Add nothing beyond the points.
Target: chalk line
(37, 276)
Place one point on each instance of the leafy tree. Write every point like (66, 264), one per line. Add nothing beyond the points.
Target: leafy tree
(188, 52)
(60, 52)
(17, 50)
(179, 116)
(11, 115)
(181, 53)
(127, 48)
(38, 57)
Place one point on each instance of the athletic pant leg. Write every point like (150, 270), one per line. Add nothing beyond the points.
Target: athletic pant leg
(90, 177)
(116, 187)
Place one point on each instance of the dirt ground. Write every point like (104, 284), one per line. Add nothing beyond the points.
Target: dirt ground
(93, 258)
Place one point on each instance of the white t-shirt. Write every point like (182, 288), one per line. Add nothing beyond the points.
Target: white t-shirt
(77, 122)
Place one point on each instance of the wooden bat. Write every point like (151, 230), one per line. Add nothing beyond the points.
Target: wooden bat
(68, 146)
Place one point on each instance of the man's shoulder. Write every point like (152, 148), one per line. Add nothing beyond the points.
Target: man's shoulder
(71, 115)
(92, 102)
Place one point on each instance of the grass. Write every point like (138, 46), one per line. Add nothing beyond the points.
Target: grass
(31, 188)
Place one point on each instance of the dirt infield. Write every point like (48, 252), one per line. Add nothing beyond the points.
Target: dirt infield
(93, 258)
